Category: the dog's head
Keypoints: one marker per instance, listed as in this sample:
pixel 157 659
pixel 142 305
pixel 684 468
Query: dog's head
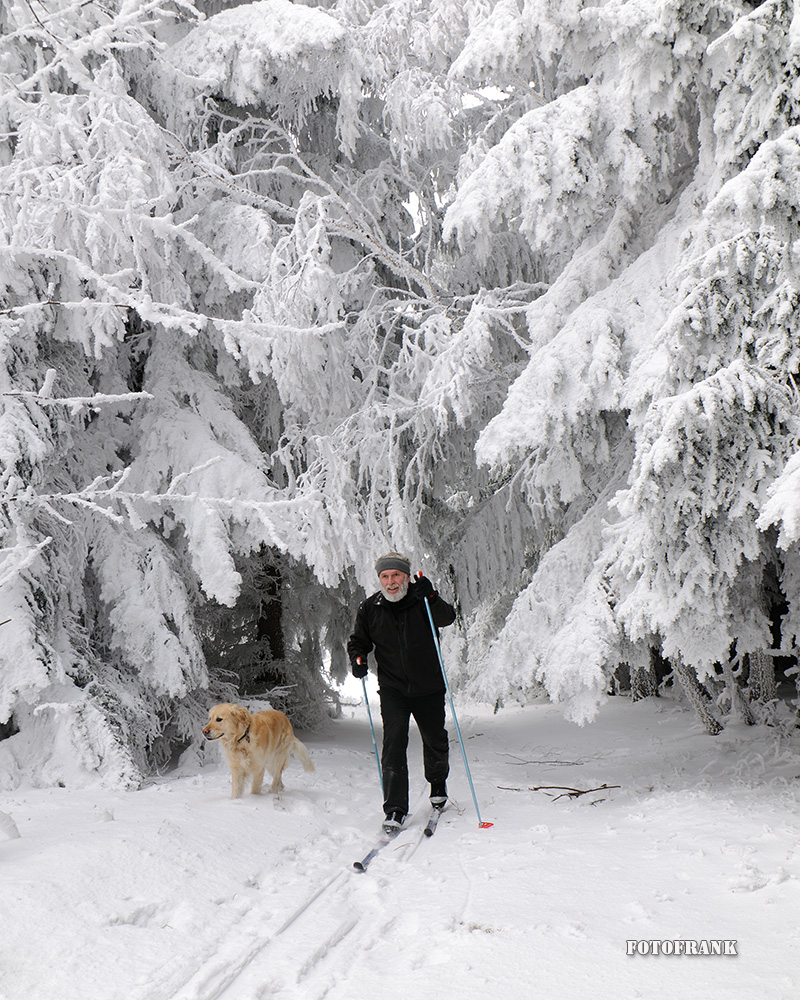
pixel 226 720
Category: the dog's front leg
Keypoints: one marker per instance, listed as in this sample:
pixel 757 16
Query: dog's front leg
pixel 258 778
pixel 237 783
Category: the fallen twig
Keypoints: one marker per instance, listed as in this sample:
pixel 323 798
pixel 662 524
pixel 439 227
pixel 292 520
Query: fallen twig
pixel 566 792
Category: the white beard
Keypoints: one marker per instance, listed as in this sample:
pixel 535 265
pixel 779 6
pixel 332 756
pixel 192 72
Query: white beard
pixel 398 595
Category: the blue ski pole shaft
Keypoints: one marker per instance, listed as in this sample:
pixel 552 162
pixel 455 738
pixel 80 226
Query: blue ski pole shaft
pixel 372 730
pixel 453 711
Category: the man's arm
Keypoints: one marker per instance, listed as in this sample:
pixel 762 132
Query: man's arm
pixel 359 645
pixel 441 612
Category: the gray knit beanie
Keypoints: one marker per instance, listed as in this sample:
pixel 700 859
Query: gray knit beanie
pixel 393 560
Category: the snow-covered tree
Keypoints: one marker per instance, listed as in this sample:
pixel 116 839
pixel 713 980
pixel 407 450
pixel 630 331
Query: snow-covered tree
pixel 658 182
pixel 232 373
pixel 129 479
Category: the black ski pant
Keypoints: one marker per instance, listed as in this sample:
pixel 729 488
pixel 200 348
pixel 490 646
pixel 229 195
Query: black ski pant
pixel 396 712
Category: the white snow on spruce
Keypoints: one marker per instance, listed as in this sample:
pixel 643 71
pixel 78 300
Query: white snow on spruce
pixel 268 53
pixel 177 892
pixel 560 630
pixel 783 505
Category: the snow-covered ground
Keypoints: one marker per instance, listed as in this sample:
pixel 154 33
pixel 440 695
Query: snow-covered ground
pixel 176 892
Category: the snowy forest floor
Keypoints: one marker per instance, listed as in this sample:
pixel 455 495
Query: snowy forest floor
pixel 176 892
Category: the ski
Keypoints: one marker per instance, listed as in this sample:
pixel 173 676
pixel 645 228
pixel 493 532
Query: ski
pixel 385 838
pixel 433 819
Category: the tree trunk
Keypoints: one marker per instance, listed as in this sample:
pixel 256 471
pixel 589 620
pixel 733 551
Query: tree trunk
pixel 688 681
pixel 739 706
pixel 644 682
pixel 762 676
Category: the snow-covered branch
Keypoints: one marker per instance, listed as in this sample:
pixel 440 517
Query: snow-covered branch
pixel 75 404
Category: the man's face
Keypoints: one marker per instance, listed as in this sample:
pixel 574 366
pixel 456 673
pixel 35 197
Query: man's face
pixel 394 584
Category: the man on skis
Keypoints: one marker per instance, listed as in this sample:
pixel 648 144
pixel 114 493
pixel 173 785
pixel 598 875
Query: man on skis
pixel 393 623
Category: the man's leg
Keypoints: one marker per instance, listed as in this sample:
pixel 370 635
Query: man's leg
pixel 428 714
pixel 395 712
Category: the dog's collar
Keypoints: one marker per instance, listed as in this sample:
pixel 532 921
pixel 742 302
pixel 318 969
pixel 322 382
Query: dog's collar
pixel 245 736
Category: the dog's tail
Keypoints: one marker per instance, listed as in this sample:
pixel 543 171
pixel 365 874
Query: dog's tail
pixel 301 753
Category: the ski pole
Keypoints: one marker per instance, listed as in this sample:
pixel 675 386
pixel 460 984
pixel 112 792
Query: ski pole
pixel 371 728
pixel 481 824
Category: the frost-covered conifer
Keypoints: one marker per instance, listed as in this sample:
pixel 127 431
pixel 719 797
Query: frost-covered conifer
pixel 129 480
pixel 235 367
pixel 659 184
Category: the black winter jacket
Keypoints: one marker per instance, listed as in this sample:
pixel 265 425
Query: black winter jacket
pixel 400 635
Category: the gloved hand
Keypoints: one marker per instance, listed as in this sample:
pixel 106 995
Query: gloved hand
pixel 359 667
pixel 424 587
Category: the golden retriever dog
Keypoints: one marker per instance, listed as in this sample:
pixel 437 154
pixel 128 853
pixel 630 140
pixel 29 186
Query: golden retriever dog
pixel 254 743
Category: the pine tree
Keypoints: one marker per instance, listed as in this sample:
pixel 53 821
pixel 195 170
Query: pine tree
pixel 256 361
pixel 666 182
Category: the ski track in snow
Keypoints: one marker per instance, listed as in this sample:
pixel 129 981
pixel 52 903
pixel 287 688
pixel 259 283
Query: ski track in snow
pixel 176 892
